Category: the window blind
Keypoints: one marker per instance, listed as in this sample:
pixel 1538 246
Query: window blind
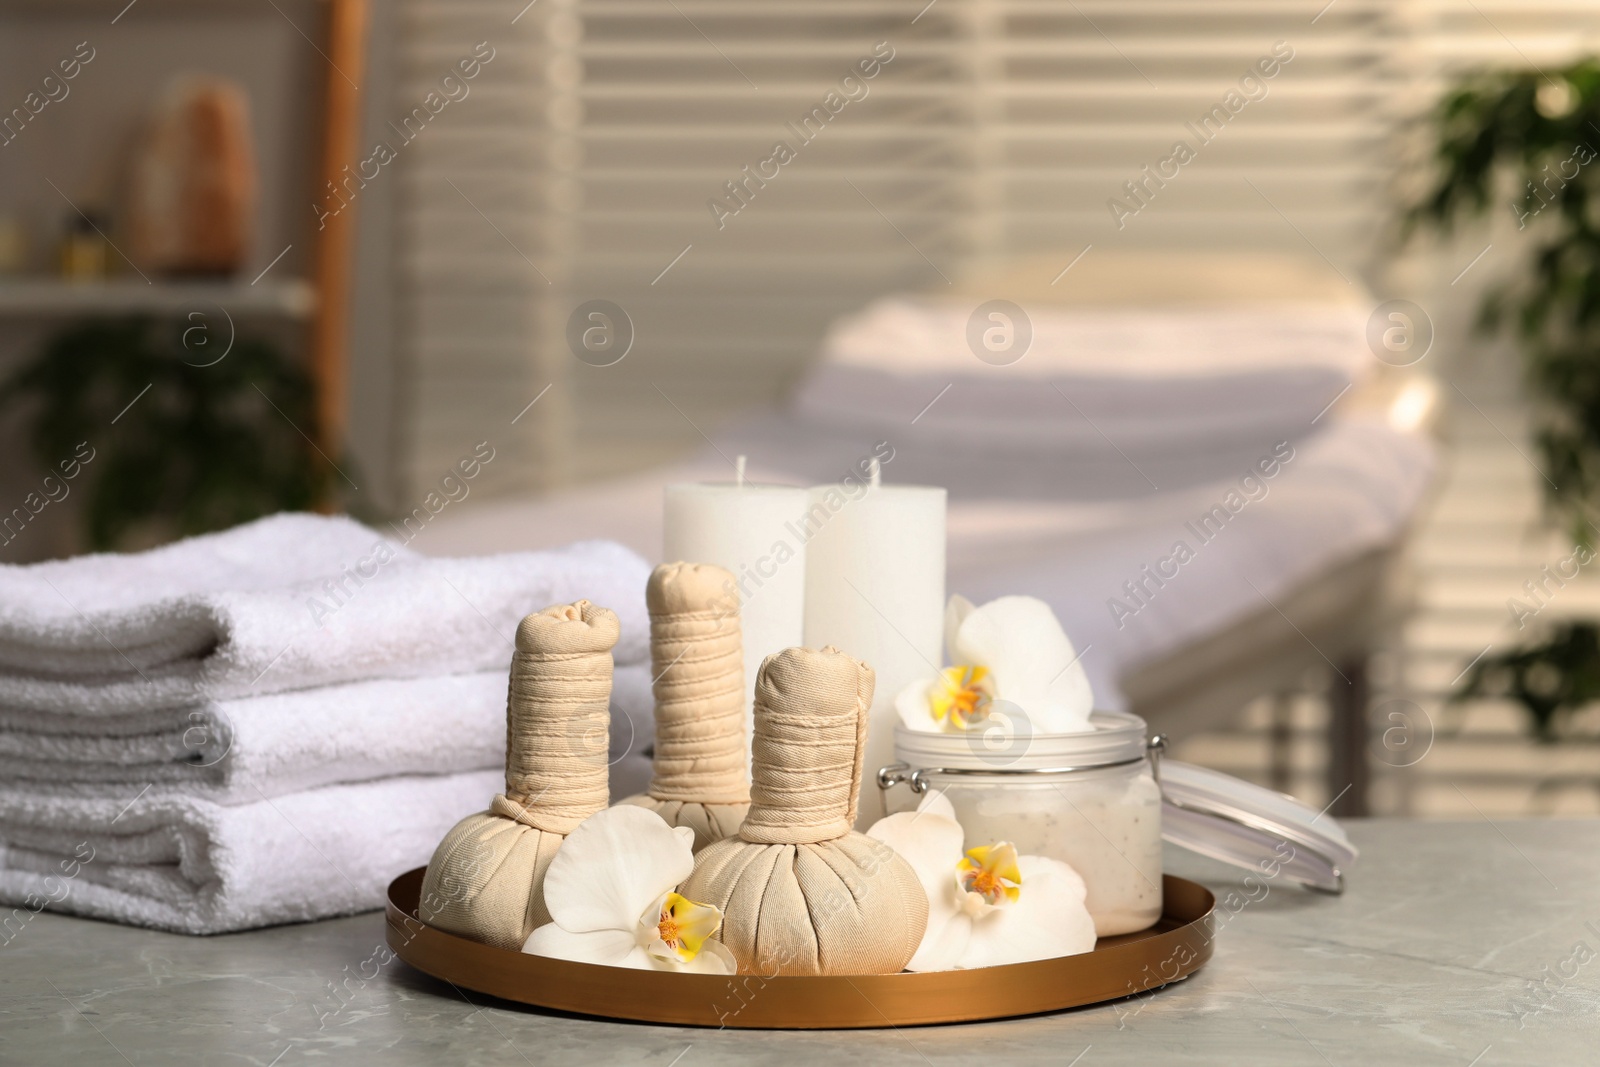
pixel 629 151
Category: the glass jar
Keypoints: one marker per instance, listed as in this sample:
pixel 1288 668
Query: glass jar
pixel 1089 799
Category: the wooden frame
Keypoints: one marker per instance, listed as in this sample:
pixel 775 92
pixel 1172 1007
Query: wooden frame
pixel 335 248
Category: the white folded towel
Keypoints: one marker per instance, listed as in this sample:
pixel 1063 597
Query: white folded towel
pixel 242 613
pixel 238 751
pixel 87 613
pixel 268 724
pixel 193 866
pixel 196 867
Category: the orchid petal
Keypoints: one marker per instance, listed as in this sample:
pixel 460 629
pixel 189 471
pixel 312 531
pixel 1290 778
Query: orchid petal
pixel 1048 919
pixel 696 921
pixel 713 958
pixel 942 946
pixel 1034 664
pixel 955 613
pixel 987 878
pixel 649 932
pixel 962 697
pixel 616 865
pixel 929 839
pixel 931 844
pixel 912 703
pixel 935 802
pixel 609 948
pixel 676 928
pixel 955 699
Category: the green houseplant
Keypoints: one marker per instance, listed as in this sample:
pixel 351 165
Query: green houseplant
pixel 1550 679
pixel 1526 143
pixel 193 432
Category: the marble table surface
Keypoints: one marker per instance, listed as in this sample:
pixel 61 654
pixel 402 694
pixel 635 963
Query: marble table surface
pixel 1456 944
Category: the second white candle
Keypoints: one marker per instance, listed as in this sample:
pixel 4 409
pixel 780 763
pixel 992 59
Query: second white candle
pixel 875 589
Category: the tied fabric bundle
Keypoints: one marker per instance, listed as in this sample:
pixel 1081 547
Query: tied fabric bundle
pixel 696 652
pixel 800 891
pixel 485 880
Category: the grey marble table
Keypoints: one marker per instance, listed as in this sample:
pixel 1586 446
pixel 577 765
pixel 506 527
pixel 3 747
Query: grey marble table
pixel 1456 944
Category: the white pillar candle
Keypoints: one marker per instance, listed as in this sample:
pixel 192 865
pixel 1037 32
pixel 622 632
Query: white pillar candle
pixel 875 589
pixel 753 532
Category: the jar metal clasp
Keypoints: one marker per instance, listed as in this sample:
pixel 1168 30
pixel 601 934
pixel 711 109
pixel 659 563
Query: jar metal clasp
pixel 895 773
pixel 1155 748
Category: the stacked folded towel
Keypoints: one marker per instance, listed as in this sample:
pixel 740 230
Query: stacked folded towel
pixel 267 724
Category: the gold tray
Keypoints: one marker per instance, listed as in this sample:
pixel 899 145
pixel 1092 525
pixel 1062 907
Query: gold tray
pixel 1175 947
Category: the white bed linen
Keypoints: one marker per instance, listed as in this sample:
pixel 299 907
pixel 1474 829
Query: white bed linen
pixel 1145 379
pixel 1350 487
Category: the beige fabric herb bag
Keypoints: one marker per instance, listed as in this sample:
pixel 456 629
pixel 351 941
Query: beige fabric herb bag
pixel 800 891
pixel 485 879
pixel 697 656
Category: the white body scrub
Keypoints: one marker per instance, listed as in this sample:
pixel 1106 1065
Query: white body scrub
pixel 1104 819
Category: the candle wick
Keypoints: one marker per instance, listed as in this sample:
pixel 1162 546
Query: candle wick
pixel 738 472
pixel 873 474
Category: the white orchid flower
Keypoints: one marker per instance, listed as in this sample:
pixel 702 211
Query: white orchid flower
pixel 987 906
pixel 611 891
pixel 1010 649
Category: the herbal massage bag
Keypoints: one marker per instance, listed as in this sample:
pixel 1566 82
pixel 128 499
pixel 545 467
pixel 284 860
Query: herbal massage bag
pixel 697 657
pixel 800 891
pixel 485 880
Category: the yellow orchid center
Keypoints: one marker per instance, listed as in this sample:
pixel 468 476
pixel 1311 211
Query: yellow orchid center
pixel 682 928
pixel 989 876
pixel 962 696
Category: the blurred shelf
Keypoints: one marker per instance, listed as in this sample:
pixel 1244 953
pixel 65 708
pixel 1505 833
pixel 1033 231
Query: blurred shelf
pixel 58 298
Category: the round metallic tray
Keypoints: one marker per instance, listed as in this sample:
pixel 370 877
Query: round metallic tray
pixel 1175 947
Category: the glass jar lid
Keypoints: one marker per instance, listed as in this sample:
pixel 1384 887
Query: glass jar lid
pixel 1005 744
pixel 1245 825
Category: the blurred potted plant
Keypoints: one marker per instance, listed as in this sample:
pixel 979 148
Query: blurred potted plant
pixel 1541 134
pixel 1528 143
pixel 1550 679
pixel 189 440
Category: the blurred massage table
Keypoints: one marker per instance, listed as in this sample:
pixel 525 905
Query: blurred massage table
pixel 1052 477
